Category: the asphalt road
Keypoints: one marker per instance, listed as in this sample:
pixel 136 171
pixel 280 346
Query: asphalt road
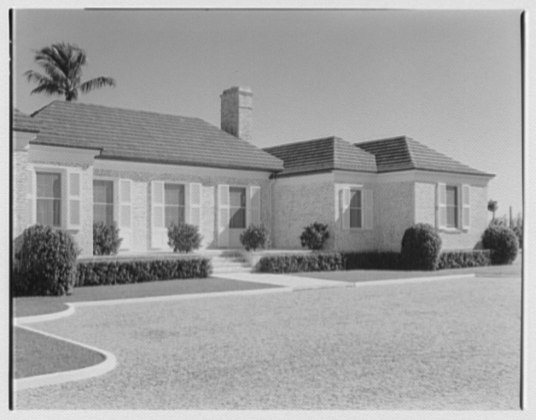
pixel 450 344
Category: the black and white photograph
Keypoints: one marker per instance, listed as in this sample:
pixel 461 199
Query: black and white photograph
pixel 267 209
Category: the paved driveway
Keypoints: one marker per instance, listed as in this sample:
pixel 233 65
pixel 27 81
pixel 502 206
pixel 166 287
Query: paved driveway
pixel 446 344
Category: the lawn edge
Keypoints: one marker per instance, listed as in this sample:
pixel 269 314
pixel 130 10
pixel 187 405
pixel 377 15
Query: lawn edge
pixel 109 363
pixel 384 282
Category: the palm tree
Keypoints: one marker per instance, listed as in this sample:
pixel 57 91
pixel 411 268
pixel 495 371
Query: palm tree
pixel 62 64
pixel 493 206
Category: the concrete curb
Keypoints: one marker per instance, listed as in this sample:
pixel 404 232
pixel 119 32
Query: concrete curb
pixel 46 317
pixel 412 280
pixel 109 363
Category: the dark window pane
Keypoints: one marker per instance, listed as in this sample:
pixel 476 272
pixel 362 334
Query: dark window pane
pixel 355 218
pixel 174 215
pixel 174 194
pixel 48 185
pixel 48 212
pixel 238 218
pixel 452 216
pixel 452 196
pixel 103 213
pixel 103 191
pixel 237 197
pixel 355 200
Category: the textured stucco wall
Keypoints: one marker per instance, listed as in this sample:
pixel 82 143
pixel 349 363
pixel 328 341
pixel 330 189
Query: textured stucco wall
pixel 425 194
pixel 20 188
pixel 394 213
pixel 298 202
pixel 141 181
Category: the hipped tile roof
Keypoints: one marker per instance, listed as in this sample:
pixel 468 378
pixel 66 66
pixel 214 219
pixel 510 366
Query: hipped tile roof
pixel 147 136
pixel 23 122
pixel 323 154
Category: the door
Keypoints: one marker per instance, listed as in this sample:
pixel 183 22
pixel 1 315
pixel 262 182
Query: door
pixel 237 215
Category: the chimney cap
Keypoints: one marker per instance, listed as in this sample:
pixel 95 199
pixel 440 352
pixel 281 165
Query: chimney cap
pixel 241 89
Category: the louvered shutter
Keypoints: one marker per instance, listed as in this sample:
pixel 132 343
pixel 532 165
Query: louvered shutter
pixel 73 196
pixel 441 195
pixel 158 227
pixel 124 203
pixel 368 218
pixel 194 204
pixel 223 215
pixel 466 206
pixel 254 205
pixel 31 197
pixel 345 208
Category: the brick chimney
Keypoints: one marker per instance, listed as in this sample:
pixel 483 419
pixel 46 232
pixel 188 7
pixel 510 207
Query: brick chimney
pixel 236 111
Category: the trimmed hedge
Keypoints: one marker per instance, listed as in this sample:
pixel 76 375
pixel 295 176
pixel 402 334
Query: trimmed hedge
pixel 317 261
pixel 118 271
pixel 461 259
pixel 371 260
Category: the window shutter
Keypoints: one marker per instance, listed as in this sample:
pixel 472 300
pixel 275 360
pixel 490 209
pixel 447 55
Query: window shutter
pixel 441 205
pixel 73 199
pixel 194 204
pixel 368 214
pixel 125 213
pixel 223 215
pixel 466 206
pixel 254 205
pixel 345 208
pixel 158 228
pixel 31 197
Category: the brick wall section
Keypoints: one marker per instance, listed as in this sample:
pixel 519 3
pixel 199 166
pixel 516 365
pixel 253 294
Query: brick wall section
pixel 299 204
pixel 393 213
pixel 20 188
pixel 141 201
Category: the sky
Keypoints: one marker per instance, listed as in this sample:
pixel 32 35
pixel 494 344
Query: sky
pixel 448 79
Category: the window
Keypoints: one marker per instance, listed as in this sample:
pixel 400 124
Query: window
pixel 174 204
pixel 452 206
pixel 355 209
pixel 103 202
pixel 48 198
pixel 237 201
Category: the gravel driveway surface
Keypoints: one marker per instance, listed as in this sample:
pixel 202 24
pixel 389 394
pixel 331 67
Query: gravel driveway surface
pixel 450 344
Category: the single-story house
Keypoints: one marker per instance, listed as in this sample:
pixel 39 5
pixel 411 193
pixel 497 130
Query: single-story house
pixel 75 164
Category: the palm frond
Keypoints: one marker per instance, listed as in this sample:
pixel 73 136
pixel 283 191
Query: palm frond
pixel 96 83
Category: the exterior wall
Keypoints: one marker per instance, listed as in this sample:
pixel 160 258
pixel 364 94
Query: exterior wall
pixel 141 176
pixel 20 188
pixel 298 202
pixel 425 212
pixel 393 213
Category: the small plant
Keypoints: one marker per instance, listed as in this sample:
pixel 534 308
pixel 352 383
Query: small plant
pixel 314 236
pixel 106 240
pixel 255 236
pixel 184 237
pixel 45 262
pixel 503 243
pixel 421 245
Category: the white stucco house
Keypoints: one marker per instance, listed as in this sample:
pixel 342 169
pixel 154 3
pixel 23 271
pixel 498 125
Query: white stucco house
pixel 74 164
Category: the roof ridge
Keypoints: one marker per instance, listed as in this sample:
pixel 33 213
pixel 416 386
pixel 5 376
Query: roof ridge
pixel 302 142
pixel 84 104
pixel 403 137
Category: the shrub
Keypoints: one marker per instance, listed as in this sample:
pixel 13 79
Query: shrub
pixel 45 263
pixel 106 240
pixel 518 230
pixel 461 259
pixel 314 236
pixel 255 236
pixel 420 248
pixel 184 237
pixel 371 260
pixel 292 263
pixel 117 271
pixel 502 242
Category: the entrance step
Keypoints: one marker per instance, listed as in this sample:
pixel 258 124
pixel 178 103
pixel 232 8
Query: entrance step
pixel 229 262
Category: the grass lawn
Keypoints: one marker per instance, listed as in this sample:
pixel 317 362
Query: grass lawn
pixel 36 354
pixel 27 306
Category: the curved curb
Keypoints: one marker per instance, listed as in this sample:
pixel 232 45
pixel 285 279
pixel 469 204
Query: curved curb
pixel 109 363
pixel 412 280
pixel 32 319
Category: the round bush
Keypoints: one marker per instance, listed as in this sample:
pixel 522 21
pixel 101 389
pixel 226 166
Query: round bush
pixel 421 245
pixel 46 262
pixel 502 242
pixel 255 236
pixel 106 240
pixel 314 236
pixel 184 237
